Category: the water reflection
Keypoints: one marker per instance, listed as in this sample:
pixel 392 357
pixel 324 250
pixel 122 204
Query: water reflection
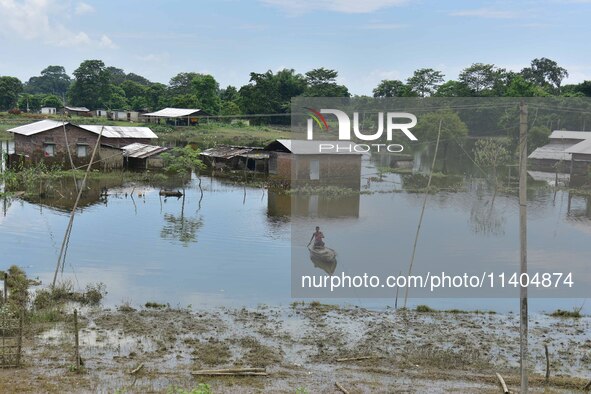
pixel 181 228
pixel 282 204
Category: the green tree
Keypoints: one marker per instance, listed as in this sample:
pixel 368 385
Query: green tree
pixel 117 99
pixel 51 100
pixel 230 108
pixel 425 81
pixel 519 87
pixel 545 73
pixel 53 80
pixel 10 88
pixel 116 75
pixel 480 78
pixel 230 94
pixel 452 129
pixel 156 96
pixel 452 89
pixel 182 161
pixel 91 86
pixel 30 102
pixel 322 83
pixel 271 93
pixel 182 83
pixel 138 79
pixel 390 88
pixel 207 90
pixel 491 153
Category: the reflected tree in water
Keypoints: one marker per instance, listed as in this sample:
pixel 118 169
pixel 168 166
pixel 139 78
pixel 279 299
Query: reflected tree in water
pixel 485 219
pixel 181 228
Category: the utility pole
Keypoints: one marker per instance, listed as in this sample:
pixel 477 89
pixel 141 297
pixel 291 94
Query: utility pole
pixel 523 314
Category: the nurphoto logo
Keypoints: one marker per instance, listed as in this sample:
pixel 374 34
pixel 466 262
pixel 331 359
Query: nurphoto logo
pixel 393 124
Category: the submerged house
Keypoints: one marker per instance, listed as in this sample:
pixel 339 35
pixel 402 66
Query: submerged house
pixel 303 162
pixel 143 156
pixel 236 158
pixel 54 142
pixel 559 152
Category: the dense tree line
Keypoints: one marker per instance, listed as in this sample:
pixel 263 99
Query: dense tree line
pixel 95 85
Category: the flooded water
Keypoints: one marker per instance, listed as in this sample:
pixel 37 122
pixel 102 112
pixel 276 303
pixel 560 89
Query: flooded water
pixel 231 245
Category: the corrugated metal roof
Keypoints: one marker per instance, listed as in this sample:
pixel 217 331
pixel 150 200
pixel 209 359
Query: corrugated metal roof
pixel 227 151
pixel 77 109
pixel 583 147
pixel 305 147
pixel 570 135
pixel 37 127
pixel 553 151
pixel 121 131
pixel 141 151
pixel 174 112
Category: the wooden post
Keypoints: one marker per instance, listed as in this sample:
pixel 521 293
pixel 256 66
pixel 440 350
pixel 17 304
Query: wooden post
pixel 5 287
pixel 547 363
pixel 20 338
pixel 523 313
pixel 76 340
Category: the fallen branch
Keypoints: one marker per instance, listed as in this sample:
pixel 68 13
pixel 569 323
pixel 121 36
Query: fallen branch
pixel 341 388
pixel 232 371
pixel 354 358
pixel 197 373
pixel 587 386
pixel 503 384
pixel 139 367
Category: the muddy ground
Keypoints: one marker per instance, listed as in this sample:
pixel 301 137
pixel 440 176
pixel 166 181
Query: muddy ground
pixel 300 346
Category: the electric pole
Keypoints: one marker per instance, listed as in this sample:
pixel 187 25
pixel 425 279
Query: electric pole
pixel 523 314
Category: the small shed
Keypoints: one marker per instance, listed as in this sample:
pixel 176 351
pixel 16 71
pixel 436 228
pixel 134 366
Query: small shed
pixel 49 110
pixel 122 115
pixel 236 158
pixel 77 111
pixel 143 156
pixel 176 116
pixel 100 113
pixel 305 163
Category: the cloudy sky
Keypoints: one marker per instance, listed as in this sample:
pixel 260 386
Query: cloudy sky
pixel 366 41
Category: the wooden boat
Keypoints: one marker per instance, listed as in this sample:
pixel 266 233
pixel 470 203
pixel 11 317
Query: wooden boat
pixel 171 193
pixel 323 258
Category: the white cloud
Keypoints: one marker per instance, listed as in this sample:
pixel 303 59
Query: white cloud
pixel 343 6
pixel 83 8
pixel 488 13
pixel 41 20
pixel 106 42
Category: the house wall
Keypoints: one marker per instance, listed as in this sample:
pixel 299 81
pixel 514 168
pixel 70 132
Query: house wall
pixel 121 142
pixel 33 147
pixel 337 170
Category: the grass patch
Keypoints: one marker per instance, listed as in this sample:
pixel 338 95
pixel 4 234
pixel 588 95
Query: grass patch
pixel 211 352
pixel 258 355
pixel 154 305
pixel 425 309
pixel 575 313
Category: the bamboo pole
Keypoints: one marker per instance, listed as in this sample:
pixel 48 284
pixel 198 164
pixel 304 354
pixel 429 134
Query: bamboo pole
pixel 76 339
pixel 523 312
pixel 414 247
pixel 503 384
pixel 341 388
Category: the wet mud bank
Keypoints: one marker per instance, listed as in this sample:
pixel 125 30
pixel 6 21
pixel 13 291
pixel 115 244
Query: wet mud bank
pixel 306 347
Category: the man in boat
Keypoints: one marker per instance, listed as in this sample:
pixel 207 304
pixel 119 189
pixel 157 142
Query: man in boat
pixel 318 238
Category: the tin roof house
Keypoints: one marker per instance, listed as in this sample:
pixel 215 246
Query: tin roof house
pixel 302 162
pixel 559 151
pixel 54 142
